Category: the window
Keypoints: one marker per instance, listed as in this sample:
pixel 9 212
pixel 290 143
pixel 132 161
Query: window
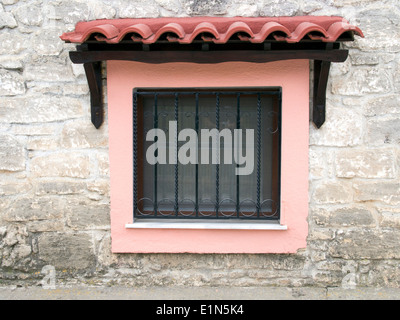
pixel 206 153
pixel 282 234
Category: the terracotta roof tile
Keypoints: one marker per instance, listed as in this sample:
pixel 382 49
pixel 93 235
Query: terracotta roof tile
pixel 213 29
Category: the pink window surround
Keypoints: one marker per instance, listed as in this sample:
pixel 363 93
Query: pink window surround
pixel 293 77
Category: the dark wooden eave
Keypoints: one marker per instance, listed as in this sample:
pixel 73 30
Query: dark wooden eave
pixel 91 55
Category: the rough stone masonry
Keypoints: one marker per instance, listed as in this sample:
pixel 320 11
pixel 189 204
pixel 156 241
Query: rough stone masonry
pixel 54 178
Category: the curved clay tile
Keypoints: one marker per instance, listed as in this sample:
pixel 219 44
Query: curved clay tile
pixel 141 29
pixel 338 28
pixel 303 29
pixel 235 27
pixel 267 29
pixel 106 31
pixel 216 29
pixel 204 27
pixel 170 27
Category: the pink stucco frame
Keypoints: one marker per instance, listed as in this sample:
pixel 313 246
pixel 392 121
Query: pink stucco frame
pixel 292 76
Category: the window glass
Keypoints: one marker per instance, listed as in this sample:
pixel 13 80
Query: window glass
pixel 201 179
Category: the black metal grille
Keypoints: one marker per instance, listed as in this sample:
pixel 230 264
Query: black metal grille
pixel 173 190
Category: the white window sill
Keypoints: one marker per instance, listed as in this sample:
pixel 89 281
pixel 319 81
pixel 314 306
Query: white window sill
pixel 205 224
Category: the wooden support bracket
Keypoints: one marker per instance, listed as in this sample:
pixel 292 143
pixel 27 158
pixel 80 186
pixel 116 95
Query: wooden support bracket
pixel 321 73
pixel 93 75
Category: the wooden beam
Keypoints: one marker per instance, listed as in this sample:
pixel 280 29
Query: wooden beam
pixel 256 56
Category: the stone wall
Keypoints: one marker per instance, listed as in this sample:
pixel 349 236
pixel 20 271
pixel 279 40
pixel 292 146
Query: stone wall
pixel 54 178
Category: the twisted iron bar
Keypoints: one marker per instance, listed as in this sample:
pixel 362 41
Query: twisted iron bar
pixel 176 205
pixel 218 149
pixel 258 152
pixel 135 191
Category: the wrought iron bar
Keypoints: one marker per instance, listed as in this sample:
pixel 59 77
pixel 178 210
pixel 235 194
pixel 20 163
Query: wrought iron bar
pixel 272 92
pixel 218 156
pixel 258 153
pixel 155 126
pixel 237 165
pixel 176 208
pixel 135 154
pixel 197 165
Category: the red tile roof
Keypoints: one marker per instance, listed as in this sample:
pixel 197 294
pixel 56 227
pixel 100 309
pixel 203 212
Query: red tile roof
pixel 213 29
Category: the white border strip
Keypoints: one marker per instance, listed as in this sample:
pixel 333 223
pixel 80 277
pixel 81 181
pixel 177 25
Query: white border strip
pixel 202 224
